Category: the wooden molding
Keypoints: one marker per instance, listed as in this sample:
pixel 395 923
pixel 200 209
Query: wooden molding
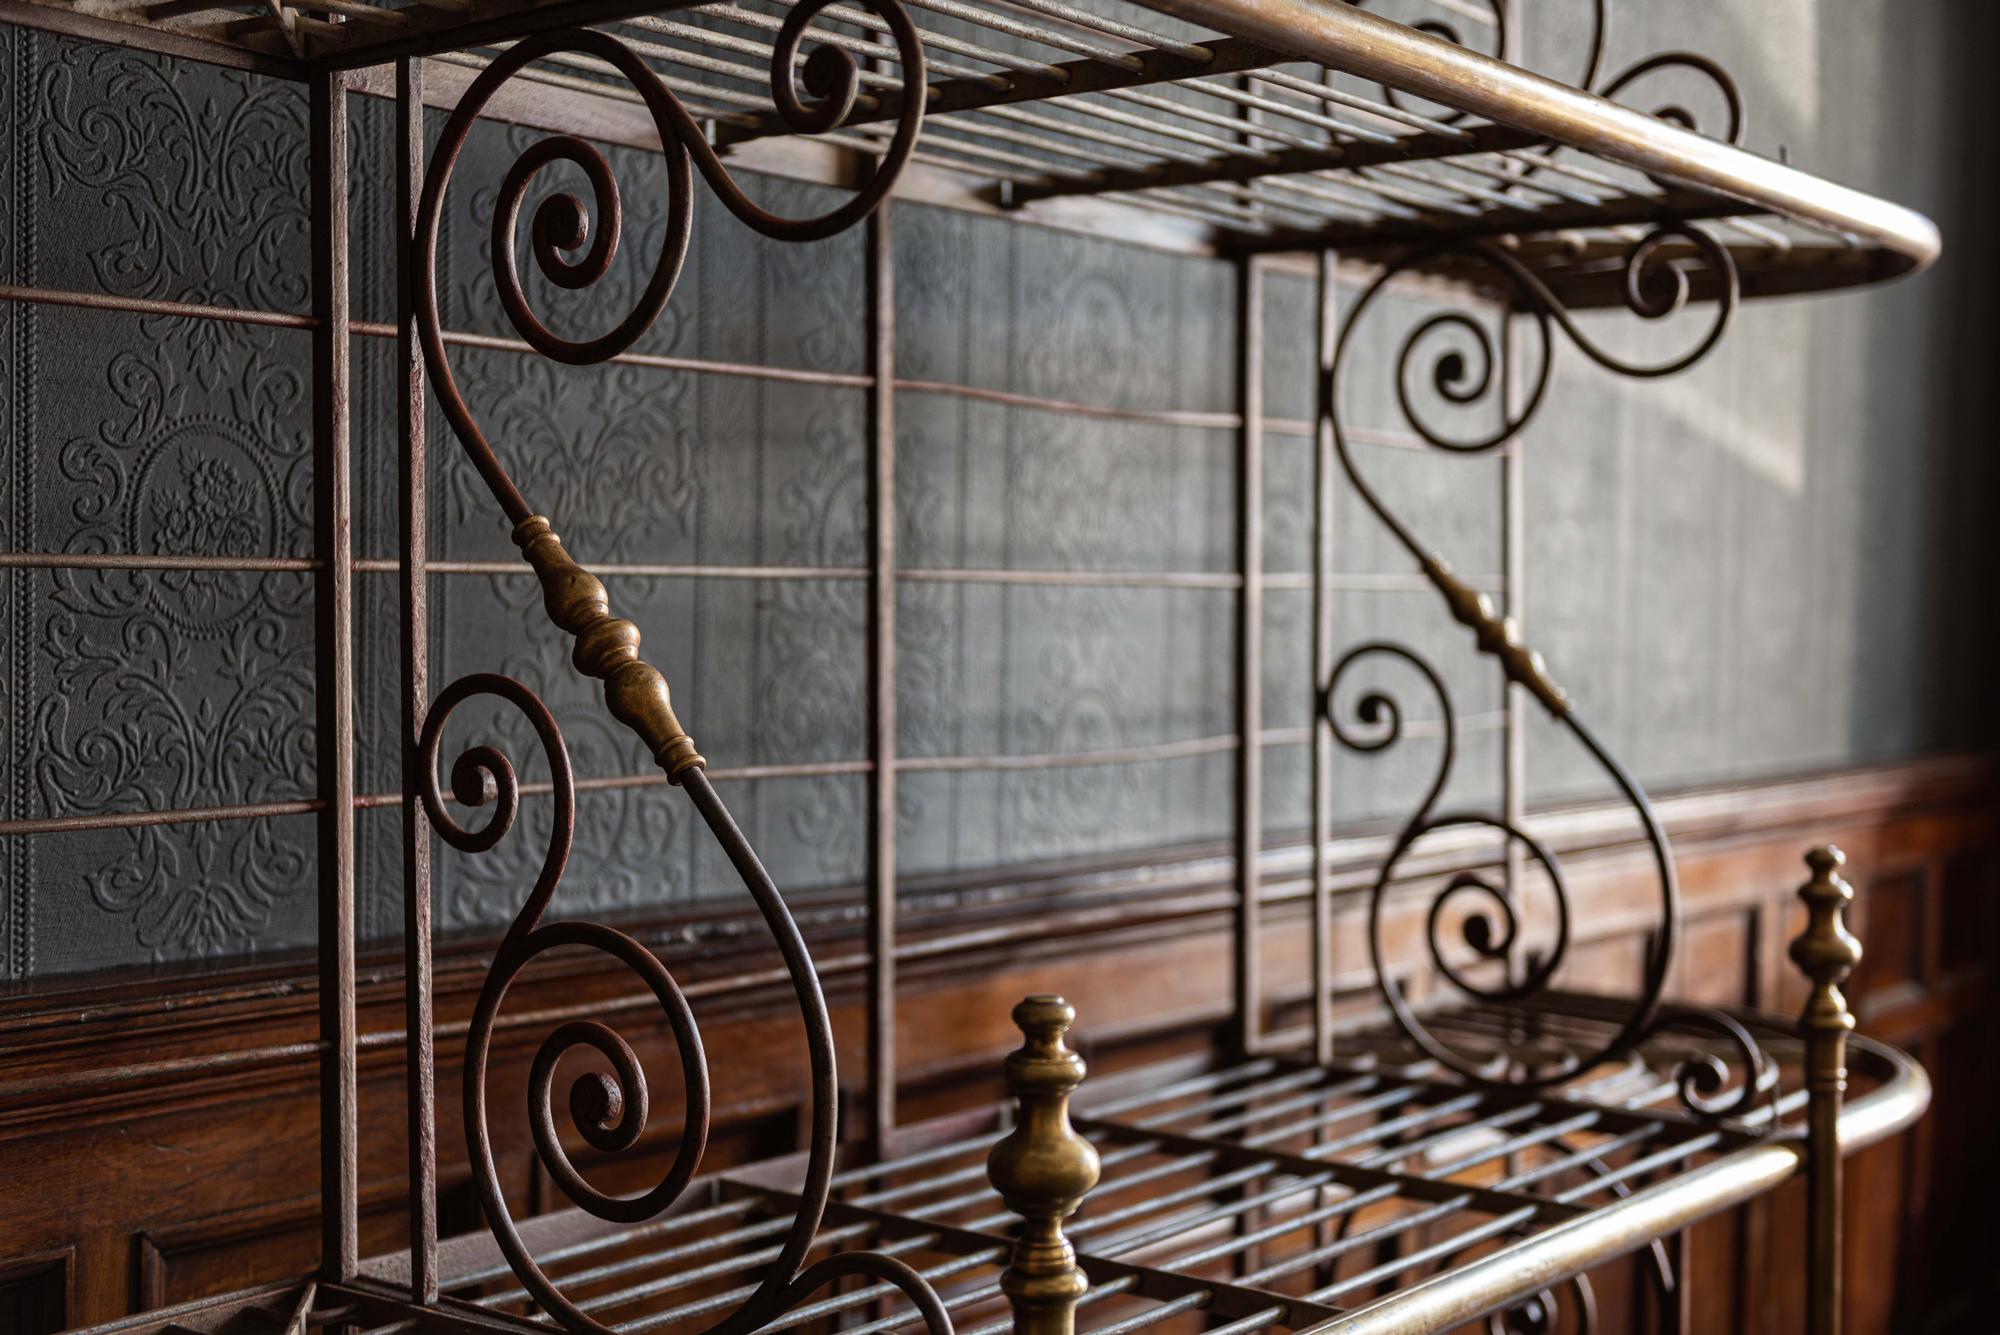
pixel 110 1044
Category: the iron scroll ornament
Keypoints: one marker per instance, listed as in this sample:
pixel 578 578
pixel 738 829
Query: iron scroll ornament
pixel 1655 287
pixel 610 1111
pixel 1591 80
pixel 1593 72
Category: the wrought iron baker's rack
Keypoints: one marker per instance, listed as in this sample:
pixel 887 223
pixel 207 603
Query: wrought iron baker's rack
pixel 1476 1132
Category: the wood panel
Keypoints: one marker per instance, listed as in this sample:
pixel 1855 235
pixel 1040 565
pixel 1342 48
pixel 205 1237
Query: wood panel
pixel 129 1179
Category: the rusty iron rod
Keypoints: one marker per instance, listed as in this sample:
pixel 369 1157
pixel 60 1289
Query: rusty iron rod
pixel 333 607
pixel 882 678
pixel 420 1059
pixel 1249 809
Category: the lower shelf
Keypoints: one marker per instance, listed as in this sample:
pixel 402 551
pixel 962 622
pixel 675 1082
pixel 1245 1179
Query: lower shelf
pixel 1376 1193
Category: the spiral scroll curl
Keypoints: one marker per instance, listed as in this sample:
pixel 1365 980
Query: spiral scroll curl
pixel 1465 372
pixel 1542 1314
pixel 1672 112
pixel 609 1111
pixel 1654 287
pixel 1498 21
pixel 1590 79
pixel 1724 83
pixel 562 224
pixel 1711 1086
pixel 574 244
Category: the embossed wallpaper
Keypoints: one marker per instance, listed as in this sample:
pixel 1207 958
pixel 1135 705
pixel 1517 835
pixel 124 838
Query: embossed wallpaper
pixel 1747 570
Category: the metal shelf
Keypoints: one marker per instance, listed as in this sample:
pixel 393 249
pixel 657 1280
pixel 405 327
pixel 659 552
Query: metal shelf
pixel 1374 1192
pixel 1296 126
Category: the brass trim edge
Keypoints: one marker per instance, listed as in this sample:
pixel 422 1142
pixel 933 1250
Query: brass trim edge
pixel 1492 1283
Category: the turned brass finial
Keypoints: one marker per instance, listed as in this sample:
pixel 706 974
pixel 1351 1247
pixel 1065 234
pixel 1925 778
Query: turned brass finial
pixel 1043 1169
pixel 607 648
pixel 1826 952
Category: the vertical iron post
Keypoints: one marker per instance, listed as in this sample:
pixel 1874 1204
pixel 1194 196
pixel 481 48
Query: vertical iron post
pixel 1326 335
pixel 1513 541
pixel 1514 580
pixel 1249 646
pixel 420 1052
pixel 1826 953
pixel 333 638
pixel 882 677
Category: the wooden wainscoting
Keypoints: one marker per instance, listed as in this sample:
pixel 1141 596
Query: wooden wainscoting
pixel 158 1131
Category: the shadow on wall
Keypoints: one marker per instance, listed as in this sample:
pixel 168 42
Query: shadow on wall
pixel 1922 615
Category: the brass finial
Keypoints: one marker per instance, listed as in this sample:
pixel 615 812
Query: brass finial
pixel 1826 952
pixel 607 648
pixel 1043 1169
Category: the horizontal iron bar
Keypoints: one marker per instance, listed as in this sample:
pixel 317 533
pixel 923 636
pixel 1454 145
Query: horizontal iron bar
pixel 1423 1256
pixel 103 301
pixel 1152 579
pixel 1171 417
pixel 1359 582
pixel 1196 1084
pixel 42 296
pixel 635 570
pixel 1177 750
pixel 246 565
pixel 1279 162
pixel 133 820
pixel 653 360
pixel 1220 421
pixel 810 769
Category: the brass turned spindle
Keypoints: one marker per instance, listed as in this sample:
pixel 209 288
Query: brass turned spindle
pixel 607 648
pixel 1826 952
pixel 1043 1169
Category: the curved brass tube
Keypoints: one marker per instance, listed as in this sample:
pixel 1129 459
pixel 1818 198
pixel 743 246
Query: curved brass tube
pixel 1343 37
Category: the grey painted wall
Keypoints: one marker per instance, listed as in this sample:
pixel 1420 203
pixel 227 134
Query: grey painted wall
pixel 1764 565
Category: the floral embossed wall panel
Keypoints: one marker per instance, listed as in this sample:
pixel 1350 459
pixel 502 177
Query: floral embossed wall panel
pixel 164 691
pixel 116 897
pixel 1010 670
pixel 163 185
pixel 1020 818
pixel 16 495
pixel 173 437
pixel 1015 670
pixel 1721 598
pixel 983 486
pixel 982 302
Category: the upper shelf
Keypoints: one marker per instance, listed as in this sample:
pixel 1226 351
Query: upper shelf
pixel 1269 125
